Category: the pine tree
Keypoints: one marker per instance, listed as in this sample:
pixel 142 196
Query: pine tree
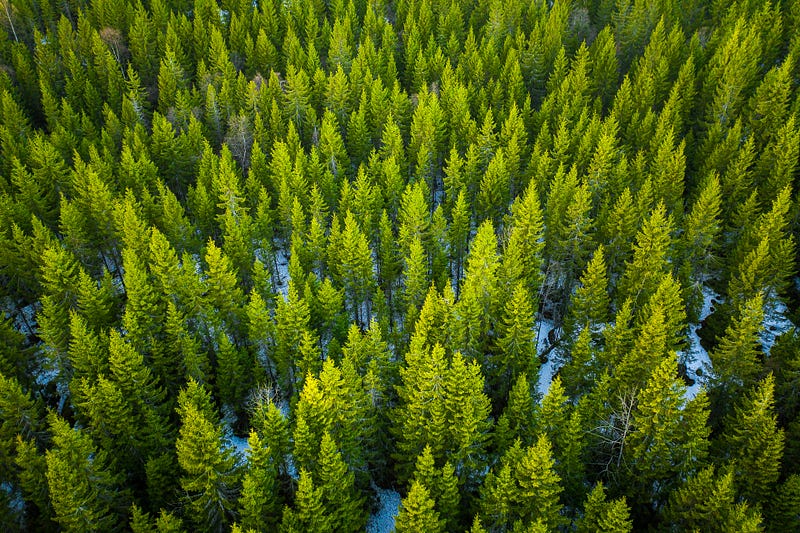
pixel 20 418
pixel 537 496
pixel 417 512
pixel 341 503
pixel 517 420
pixel 735 360
pixel 419 419
pixel 516 342
pixel 697 244
pixel 85 493
pixel 602 515
pixel 221 285
pixel 707 501
pixel 762 259
pixel 589 305
pixel 211 479
pixel 493 190
pixel 475 311
pixel 670 437
pixel 442 485
pixel 292 318
pixel 467 412
pixel 259 503
pixel 755 442
pixel 308 514
pixel 498 489
pixel 355 269
pixel 650 256
pixel 583 367
pixel 458 236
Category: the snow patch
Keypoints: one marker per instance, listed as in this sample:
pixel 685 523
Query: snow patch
pixel 544 328
pixel 239 444
pixel 695 357
pixel 546 373
pixel 382 521
pixel 46 375
pixel 775 324
pixel 548 369
pixel 24 320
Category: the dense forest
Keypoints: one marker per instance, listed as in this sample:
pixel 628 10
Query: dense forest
pixel 431 265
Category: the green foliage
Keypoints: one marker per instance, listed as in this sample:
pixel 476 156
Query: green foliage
pixel 603 515
pixel 754 442
pixel 85 493
pixel 210 476
pixel 417 512
pixel 341 228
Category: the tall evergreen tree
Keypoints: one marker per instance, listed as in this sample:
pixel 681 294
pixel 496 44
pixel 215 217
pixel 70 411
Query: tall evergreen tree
pixel 755 442
pixel 417 512
pixel 85 492
pixel 210 482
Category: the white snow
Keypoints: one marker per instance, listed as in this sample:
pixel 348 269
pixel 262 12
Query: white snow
pixel 544 328
pixel 548 369
pixel 46 375
pixel 241 446
pixel 775 324
pixel 695 356
pixel 382 521
pixel 24 320
pixel 546 373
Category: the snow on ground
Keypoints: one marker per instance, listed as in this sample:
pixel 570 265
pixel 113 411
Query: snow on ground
pixel 775 324
pixel 695 356
pixel 548 369
pixel 382 521
pixel 46 375
pixel 240 445
pixel 24 321
pixel 546 373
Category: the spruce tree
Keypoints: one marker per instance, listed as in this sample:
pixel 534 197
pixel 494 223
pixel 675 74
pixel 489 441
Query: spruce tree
pixel 650 258
pixel 707 501
pixel 259 502
pixel 602 515
pixel 210 480
pixel 417 512
pixel 85 493
pixel 341 502
pixel 755 442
